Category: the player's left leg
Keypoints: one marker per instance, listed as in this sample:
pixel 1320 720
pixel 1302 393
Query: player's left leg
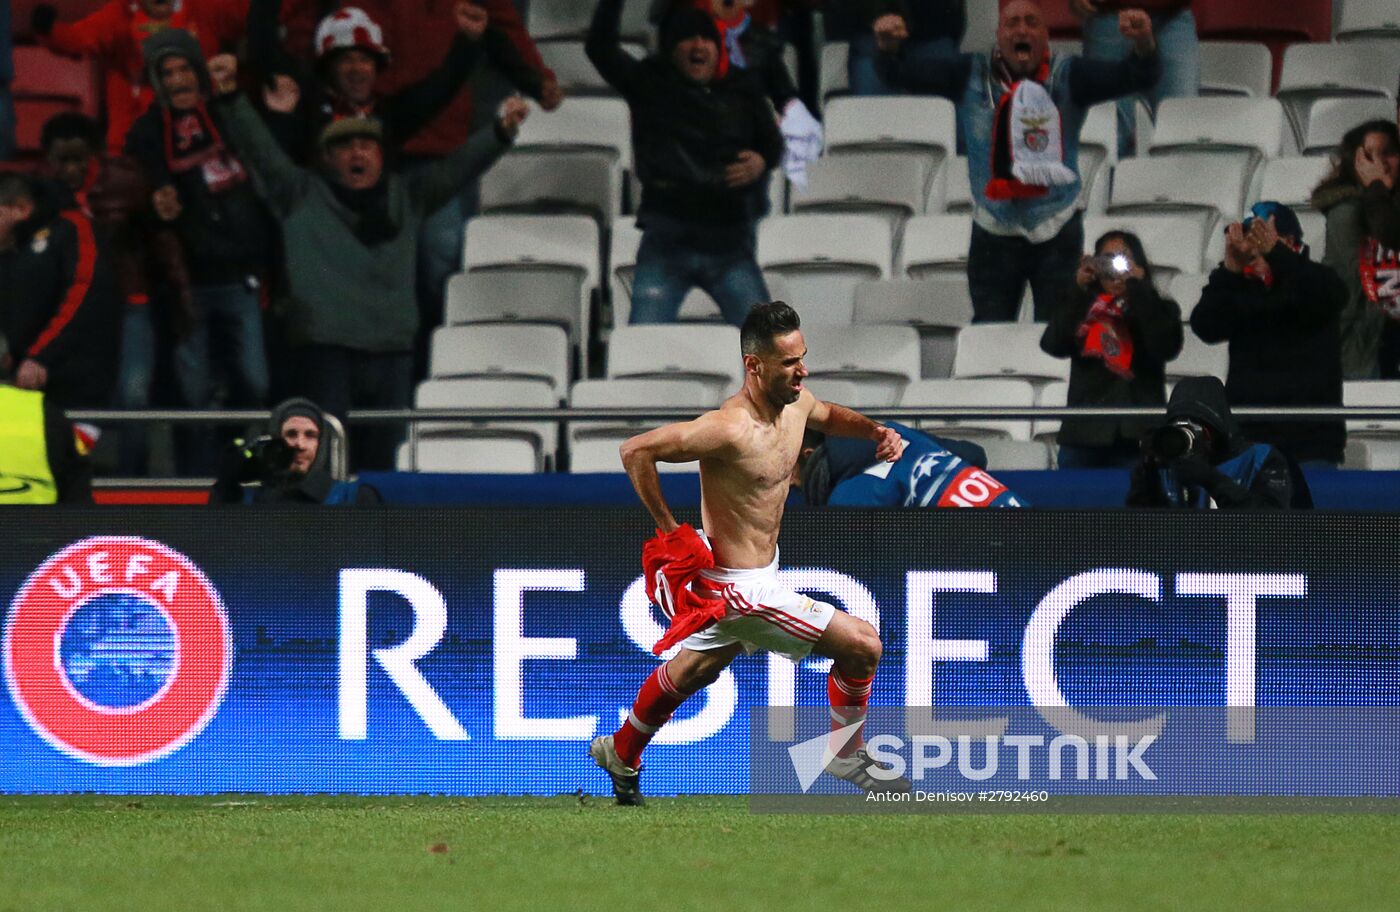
pixel 854 647
pixel 664 690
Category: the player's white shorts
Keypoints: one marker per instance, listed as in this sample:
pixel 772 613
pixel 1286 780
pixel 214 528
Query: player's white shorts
pixel 760 613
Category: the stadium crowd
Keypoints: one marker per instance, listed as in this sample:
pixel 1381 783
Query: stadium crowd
pixel 275 198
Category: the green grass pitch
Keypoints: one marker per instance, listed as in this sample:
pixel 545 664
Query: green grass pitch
pixel 98 853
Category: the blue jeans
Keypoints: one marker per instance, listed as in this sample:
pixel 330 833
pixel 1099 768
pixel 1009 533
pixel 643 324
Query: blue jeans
pixel 339 379
pixel 227 335
pixel 135 374
pixel 1178 48
pixel 668 267
pixel 998 268
pixel 227 340
pixel 860 63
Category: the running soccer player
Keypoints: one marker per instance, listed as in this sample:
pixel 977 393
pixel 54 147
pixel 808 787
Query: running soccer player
pixel 720 589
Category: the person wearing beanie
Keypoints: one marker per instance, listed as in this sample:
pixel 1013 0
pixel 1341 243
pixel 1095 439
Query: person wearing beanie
pixel 1202 460
pixel 350 234
pixel 202 191
pixel 112 35
pixel 350 57
pixel 1028 225
pixel 703 145
pixel 1281 314
pixel 291 465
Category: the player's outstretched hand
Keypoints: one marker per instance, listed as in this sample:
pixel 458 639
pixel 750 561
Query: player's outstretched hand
pixel 889 446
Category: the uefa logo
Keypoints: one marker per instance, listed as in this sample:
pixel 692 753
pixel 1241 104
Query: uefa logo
pixel 117 650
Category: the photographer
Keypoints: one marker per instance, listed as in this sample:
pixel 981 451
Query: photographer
pixel 1118 334
pixel 290 466
pixel 1281 313
pixel 1199 459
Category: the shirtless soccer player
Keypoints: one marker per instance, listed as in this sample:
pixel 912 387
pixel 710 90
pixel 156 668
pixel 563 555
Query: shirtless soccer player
pixel 747 449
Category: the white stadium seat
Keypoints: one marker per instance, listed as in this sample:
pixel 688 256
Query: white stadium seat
pixel 935 244
pixel 1004 454
pixel 1098 152
pixel 850 393
pixel 951 191
pixel 1236 68
pixel 549 182
pixel 884 359
pixel 892 186
pixel 1006 350
pixel 529 241
pixel 1312 71
pixel 834 77
pixel 1212 124
pixel 822 257
pixel 1197 359
pixel 937 307
pixel 1331 118
pixel 678 350
pixel 600 454
pixel 1374 393
pixel 570 18
pixel 542 295
pixel 1051 395
pixel 495 455
pixel 488 393
pixel 635 392
pixel 1212 185
pixel 576 73
pixel 891 122
pixel 1186 291
pixel 1291 180
pixel 1365 20
pixel 531 351
pixel 971 392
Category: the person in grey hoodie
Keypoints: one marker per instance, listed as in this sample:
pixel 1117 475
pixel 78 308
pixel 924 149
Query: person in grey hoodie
pixel 350 238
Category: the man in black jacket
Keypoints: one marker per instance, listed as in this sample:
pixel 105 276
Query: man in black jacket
pixel 1200 460
pixel 701 142
pixel 203 192
pixel 1280 313
pixel 58 298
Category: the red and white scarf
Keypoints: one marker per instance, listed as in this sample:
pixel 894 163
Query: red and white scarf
pixel 1105 334
pixel 1027 137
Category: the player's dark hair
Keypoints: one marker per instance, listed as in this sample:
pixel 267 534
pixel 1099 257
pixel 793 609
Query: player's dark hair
pixel 15 188
pixel 70 125
pixel 763 324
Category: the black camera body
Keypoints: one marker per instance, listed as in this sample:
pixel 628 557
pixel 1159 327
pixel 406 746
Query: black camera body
pixel 1180 439
pixel 265 460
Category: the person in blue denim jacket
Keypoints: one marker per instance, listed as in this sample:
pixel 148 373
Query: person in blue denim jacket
pixel 1036 238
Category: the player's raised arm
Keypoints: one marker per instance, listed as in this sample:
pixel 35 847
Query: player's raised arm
pixel 839 421
pixel 709 435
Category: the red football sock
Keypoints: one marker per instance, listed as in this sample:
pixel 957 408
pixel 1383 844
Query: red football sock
pixel 655 702
pixel 848 697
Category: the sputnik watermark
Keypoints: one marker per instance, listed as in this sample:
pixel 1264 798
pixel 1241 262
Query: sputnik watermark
pixel 1064 757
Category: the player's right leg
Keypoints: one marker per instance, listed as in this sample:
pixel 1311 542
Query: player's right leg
pixel 665 689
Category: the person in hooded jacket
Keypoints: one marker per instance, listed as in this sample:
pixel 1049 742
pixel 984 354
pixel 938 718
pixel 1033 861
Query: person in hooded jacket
pixel 203 192
pixel 293 467
pixel 701 142
pixel 932 472
pixel 1220 468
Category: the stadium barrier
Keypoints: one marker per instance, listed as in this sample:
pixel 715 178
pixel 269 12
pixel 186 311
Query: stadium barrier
pixel 476 651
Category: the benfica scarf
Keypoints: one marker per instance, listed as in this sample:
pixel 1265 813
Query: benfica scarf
pixel 1027 138
pixel 1380 276
pixel 1104 334
pixel 731 32
pixel 191 140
